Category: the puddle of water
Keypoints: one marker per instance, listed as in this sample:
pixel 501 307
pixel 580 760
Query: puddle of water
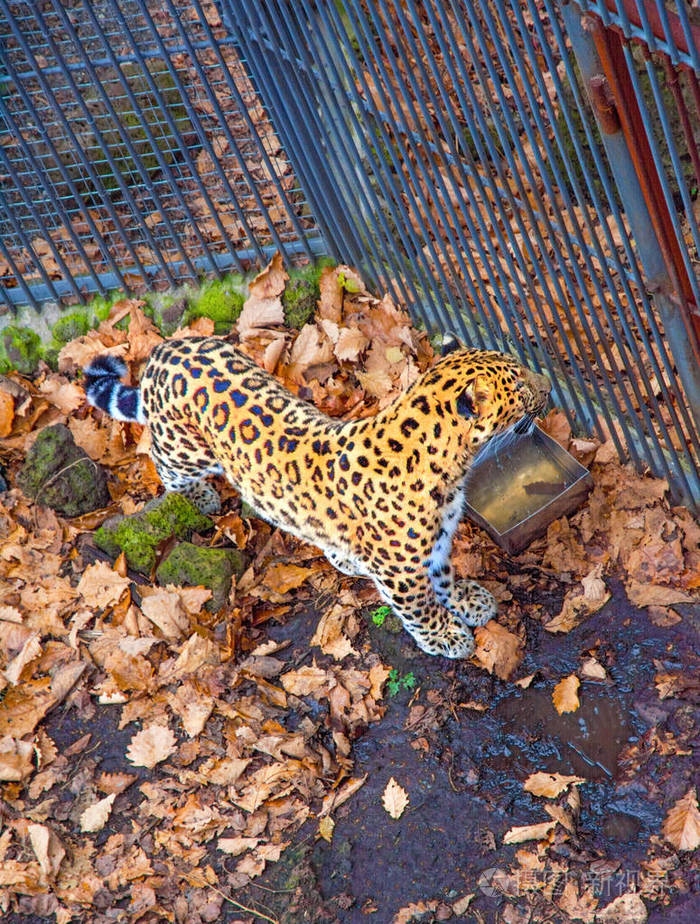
pixel 587 742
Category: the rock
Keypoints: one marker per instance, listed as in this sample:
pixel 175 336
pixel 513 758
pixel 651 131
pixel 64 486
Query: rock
pixel 61 475
pixel 193 565
pixel 140 535
pixel 22 347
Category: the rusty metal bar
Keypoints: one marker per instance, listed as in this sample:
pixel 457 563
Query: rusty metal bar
pixel 677 33
pixel 673 83
pixel 610 50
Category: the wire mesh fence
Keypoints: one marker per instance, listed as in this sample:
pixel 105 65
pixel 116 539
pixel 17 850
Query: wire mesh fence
pixel 471 157
pixel 472 175
pixel 133 148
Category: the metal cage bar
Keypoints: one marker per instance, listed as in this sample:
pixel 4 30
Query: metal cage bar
pixel 468 157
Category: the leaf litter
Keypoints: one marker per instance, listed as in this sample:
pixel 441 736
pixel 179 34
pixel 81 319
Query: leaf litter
pixel 206 699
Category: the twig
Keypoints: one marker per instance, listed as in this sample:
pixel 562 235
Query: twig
pixel 258 914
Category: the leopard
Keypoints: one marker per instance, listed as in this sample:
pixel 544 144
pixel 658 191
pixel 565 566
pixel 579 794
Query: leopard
pixel 380 496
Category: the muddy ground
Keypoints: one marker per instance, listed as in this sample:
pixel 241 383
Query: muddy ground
pixel 466 790
pixel 461 743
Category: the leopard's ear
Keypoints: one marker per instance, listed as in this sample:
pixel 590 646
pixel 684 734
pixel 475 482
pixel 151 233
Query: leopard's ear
pixel 450 342
pixel 479 390
pixel 465 403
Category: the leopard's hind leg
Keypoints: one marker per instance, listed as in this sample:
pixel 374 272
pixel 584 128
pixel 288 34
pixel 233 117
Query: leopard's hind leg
pixel 185 471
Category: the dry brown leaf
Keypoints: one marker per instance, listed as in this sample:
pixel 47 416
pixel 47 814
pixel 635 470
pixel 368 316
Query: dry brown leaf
pixel 676 683
pixel 47 848
pixel 462 904
pixel 350 343
pixel 281 578
pixel 325 828
pixel 16 759
pixel 235 846
pixel 557 426
pixel 497 649
pixel 95 816
pixel 330 305
pixel 377 677
pixel 654 595
pixel 259 313
pixel 100 586
pixel 593 670
pixel 62 393
pixel 329 635
pixel 528 832
pixel 312 347
pixel 682 824
pixel 30 650
pixel 565 696
pixel 224 772
pixel 625 909
pixel 193 707
pixel 115 782
pixel 307 680
pixel 416 911
pixel 549 784
pixel 663 616
pixel 394 799
pixel 165 610
pixel 150 746
pixel 578 906
pixel 337 797
pixel 270 281
pixel 578 605
pixel 7 413
pixel 194 653
pixel 561 816
pixel 80 353
pixel 273 352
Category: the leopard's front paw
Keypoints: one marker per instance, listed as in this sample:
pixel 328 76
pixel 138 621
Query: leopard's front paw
pixel 477 605
pixel 451 640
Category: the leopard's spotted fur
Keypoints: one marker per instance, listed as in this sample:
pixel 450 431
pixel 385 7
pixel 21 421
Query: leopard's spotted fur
pixel 381 496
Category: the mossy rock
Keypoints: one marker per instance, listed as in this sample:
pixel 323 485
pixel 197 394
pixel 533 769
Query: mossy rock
pixel 140 535
pixel 22 349
pixel 221 300
pixel 167 309
pixel 71 326
pixel 302 292
pixel 62 476
pixel 192 565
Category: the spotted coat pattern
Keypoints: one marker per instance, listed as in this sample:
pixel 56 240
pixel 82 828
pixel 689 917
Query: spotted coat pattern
pixel 381 496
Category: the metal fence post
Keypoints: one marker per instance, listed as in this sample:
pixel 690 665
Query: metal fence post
pixel 651 253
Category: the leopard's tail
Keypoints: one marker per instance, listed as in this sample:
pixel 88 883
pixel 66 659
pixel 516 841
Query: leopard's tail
pixel 104 390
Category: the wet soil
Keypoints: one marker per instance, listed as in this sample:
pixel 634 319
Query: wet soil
pixel 461 743
pixel 464 771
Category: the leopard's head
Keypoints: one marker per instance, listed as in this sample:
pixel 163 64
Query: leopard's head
pixel 469 396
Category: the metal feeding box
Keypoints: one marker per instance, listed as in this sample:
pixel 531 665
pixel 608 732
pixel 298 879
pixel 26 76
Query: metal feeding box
pixel 515 491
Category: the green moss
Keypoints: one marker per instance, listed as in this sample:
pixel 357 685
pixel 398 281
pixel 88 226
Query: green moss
pixel 221 300
pixel 139 536
pixel 70 326
pixel 51 355
pixel 193 565
pixel 59 474
pixel 98 308
pixel 21 348
pixel 302 292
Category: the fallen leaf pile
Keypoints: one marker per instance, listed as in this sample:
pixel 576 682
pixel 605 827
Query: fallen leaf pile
pixel 224 740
